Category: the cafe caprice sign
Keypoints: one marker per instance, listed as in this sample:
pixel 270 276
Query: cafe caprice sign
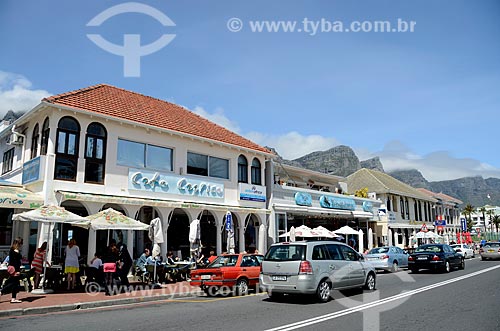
pixel 172 184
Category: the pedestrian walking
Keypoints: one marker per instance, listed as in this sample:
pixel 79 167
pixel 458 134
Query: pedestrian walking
pixel 14 271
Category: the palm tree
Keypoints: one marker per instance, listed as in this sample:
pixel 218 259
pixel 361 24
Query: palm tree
pixel 496 221
pixel 491 213
pixel 468 210
pixel 483 211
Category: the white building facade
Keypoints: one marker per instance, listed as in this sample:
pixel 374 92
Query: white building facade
pixel 102 147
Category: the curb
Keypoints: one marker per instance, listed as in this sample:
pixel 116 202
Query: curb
pixel 92 304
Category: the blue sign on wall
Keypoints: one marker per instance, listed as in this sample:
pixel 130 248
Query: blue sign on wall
pixel 303 199
pixel 252 192
pixel 367 206
pixel 337 203
pixel 31 171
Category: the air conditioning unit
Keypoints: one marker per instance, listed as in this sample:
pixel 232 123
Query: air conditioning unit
pixel 15 139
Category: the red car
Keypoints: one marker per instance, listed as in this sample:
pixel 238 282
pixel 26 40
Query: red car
pixel 236 272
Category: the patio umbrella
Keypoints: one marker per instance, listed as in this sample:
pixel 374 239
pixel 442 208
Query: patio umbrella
pixel 229 227
pixel 111 219
pixel 346 230
pixel 49 215
pixel 292 234
pixel 156 237
pixel 321 231
pixel 194 236
pixel 301 231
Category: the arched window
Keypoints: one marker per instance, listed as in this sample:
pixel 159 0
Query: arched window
pixel 255 172
pixel 45 137
pixel 242 169
pixel 95 153
pixel 34 141
pixel 402 207
pixel 68 135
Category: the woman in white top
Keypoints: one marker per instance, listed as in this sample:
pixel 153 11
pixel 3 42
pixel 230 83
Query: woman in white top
pixel 71 264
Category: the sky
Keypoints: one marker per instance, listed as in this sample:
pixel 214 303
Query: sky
pixel 427 99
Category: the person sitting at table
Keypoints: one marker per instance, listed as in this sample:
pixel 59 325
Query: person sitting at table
pixel 37 263
pixel 14 270
pixel 170 258
pixel 143 260
pixel 95 270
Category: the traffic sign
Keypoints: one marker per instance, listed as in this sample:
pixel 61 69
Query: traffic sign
pixel 423 228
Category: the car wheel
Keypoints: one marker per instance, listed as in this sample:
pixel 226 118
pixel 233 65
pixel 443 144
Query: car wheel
pixel 395 267
pixel 370 282
pixel 462 265
pixel 323 291
pixel 242 287
pixel 483 258
pixel 447 267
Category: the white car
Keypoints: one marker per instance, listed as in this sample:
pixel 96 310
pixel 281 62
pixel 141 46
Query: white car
pixel 465 250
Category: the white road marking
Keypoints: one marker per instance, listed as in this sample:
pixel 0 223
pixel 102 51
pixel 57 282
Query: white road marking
pixel 376 303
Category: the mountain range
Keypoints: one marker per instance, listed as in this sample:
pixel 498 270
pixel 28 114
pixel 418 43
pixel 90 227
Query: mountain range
pixel 342 161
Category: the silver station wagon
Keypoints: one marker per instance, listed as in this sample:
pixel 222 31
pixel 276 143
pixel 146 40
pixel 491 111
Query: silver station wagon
pixel 314 267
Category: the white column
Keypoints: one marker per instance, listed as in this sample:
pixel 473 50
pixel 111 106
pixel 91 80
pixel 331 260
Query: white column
pixel 370 238
pixel 389 237
pixel 262 245
pixel 130 242
pixel 360 241
pixel 92 245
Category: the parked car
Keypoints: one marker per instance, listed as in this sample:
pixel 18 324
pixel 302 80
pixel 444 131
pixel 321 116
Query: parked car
pixel 237 272
pixel 388 258
pixel 314 267
pixel 435 257
pixel 490 251
pixel 465 250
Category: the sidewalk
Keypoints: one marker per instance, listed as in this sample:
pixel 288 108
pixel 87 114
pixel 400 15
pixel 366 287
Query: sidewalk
pixel 72 300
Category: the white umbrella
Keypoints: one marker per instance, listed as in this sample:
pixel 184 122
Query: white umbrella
pixel 321 231
pixel 229 227
pixel 194 236
pixel 427 235
pixel 292 234
pixel 50 214
pixel 346 230
pixel 110 219
pixel 156 237
pixel 301 231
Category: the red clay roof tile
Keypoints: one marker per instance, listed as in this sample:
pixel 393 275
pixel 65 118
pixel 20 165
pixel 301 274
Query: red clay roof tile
pixel 113 101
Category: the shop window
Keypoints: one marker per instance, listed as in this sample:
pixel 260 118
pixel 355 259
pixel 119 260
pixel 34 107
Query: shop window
pixel 95 153
pixel 6 226
pixel 242 169
pixel 256 172
pixel 45 137
pixel 139 155
pixel 34 141
pixel 204 165
pixel 67 143
pixel 8 161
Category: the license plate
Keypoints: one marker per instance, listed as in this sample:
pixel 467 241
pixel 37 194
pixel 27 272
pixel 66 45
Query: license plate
pixel 279 278
pixel 422 258
pixel 205 277
pixel 491 250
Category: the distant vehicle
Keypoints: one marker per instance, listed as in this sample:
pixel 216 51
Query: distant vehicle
pixel 465 250
pixel 435 257
pixel 237 272
pixel 388 258
pixel 490 251
pixel 314 267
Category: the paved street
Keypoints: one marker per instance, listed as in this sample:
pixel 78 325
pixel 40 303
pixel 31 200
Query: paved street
pixel 464 299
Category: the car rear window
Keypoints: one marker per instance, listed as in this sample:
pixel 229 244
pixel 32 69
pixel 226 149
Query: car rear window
pixel 491 245
pixel 379 250
pixel 430 249
pixel 285 253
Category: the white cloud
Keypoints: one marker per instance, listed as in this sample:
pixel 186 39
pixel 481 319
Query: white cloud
pixel 293 145
pixel 16 93
pixel 218 117
pixel 435 166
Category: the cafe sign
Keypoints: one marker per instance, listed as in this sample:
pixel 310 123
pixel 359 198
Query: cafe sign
pixel 151 181
pixel 330 202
